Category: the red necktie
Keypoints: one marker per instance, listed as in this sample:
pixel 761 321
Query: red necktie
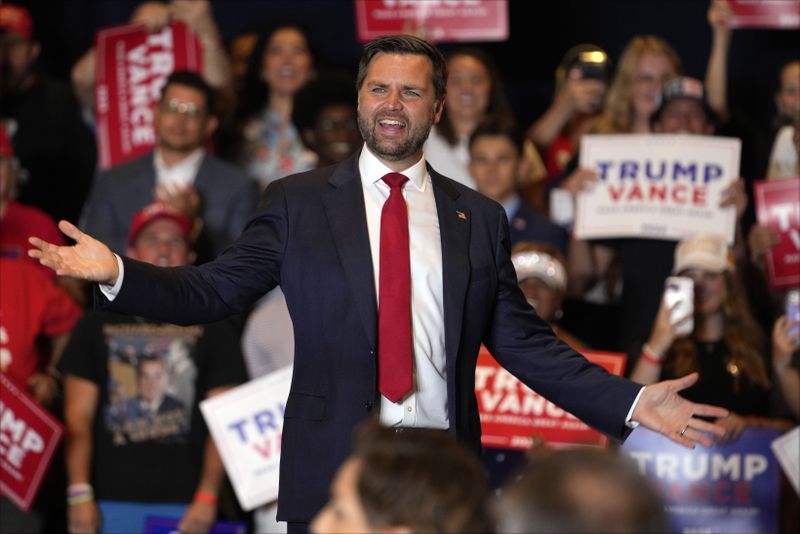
pixel 394 300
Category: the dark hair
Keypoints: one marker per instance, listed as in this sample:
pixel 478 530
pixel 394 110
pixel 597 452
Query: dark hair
pixel 148 358
pixel 420 478
pixel 494 125
pixel 195 81
pixel 405 45
pixel 327 90
pixel 544 497
pixel 498 101
pixel 255 89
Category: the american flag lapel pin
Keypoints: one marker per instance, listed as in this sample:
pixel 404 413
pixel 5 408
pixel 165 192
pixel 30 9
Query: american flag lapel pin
pixel 461 215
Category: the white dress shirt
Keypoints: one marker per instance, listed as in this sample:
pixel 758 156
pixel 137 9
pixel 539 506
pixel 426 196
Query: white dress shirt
pixel 426 405
pixel 182 173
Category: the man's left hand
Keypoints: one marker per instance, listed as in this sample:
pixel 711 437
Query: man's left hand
pixel 198 518
pixel 662 410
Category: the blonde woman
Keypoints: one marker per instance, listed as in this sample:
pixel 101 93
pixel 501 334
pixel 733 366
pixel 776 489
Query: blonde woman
pixel 646 63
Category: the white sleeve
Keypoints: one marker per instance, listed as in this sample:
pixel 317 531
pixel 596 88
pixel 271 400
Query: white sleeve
pixel 111 292
pixel 629 422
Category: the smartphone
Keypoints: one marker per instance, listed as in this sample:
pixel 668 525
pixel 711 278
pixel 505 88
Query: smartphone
pixel 793 309
pixel 679 292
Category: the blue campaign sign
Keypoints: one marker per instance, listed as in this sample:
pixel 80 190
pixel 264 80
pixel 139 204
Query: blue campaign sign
pixel 729 488
pixel 168 525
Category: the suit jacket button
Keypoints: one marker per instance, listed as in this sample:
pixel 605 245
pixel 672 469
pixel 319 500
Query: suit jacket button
pixel 368 406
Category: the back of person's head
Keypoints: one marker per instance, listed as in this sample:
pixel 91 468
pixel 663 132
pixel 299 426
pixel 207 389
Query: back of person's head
pixel 618 113
pixel 580 490
pixel 405 45
pixel 194 80
pixel 416 480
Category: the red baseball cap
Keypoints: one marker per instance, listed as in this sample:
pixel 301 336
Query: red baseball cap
pixel 6 150
pixel 155 211
pixel 16 19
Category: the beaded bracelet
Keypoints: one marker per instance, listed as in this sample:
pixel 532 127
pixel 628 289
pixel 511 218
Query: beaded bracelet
pixel 79 493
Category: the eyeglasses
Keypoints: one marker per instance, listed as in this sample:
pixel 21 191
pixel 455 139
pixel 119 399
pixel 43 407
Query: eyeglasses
pixel 184 108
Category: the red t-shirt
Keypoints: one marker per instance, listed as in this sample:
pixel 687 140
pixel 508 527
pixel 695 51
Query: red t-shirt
pixel 21 222
pixel 31 304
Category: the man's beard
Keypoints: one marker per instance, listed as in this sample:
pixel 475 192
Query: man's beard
pixel 389 150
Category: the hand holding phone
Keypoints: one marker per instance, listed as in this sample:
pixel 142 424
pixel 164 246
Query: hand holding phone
pixel 793 310
pixel 679 299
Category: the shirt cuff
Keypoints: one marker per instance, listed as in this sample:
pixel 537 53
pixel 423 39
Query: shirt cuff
pixel 111 292
pixel 629 422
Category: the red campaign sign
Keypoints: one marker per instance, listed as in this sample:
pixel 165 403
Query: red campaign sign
pixel 778 207
pixel 437 20
pixel 131 67
pixel 512 413
pixel 29 436
pixel 779 14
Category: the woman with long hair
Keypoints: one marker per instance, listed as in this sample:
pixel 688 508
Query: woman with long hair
pixel 265 142
pixel 646 63
pixel 474 91
pixel 725 346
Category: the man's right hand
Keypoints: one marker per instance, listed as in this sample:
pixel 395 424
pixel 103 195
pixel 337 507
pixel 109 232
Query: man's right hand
pixel 88 259
pixel 83 518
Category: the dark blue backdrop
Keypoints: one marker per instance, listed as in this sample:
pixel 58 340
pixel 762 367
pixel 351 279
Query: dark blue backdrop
pixel 541 32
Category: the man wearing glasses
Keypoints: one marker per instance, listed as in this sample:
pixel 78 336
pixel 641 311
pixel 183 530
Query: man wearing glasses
pixel 179 171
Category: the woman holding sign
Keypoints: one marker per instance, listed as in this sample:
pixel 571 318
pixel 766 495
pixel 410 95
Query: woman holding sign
pixel 712 333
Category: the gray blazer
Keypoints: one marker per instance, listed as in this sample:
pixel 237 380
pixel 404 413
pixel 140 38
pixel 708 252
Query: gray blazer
pixel 228 200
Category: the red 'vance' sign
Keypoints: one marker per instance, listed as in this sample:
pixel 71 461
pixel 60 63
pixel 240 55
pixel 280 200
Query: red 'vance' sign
pixel 132 65
pixel 512 413
pixel 778 207
pixel 437 20
pixel 776 14
pixel 28 438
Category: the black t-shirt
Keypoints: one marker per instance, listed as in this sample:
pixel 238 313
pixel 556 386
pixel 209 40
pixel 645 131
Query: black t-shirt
pixel 149 435
pixel 718 386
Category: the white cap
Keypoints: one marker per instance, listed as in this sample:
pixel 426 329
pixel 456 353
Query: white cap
pixel 703 251
pixel 541 265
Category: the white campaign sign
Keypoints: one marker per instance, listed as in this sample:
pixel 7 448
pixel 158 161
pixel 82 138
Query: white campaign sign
pixel 246 423
pixel 657 186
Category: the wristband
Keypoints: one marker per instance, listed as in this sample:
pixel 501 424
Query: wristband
pixel 648 356
pixel 79 493
pixel 207 498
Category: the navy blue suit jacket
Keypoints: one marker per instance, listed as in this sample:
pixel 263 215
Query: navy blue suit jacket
pixel 310 236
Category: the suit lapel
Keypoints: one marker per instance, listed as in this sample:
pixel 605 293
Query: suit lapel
pixel 454 227
pixel 344 208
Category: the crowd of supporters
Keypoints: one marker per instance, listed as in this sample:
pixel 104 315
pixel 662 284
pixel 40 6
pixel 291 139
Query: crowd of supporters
pixel 128 389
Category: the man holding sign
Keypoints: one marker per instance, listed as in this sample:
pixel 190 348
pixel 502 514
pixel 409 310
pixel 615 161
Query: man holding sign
pixel 340 242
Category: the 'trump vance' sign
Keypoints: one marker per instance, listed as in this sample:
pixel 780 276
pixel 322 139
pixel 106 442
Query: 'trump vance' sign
pixel 512 413
pixel 729 488
pixel 28 439
pixel 132 66
pixel 657 186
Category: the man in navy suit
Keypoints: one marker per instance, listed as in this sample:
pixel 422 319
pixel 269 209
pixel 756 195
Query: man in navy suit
pixel 317 234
